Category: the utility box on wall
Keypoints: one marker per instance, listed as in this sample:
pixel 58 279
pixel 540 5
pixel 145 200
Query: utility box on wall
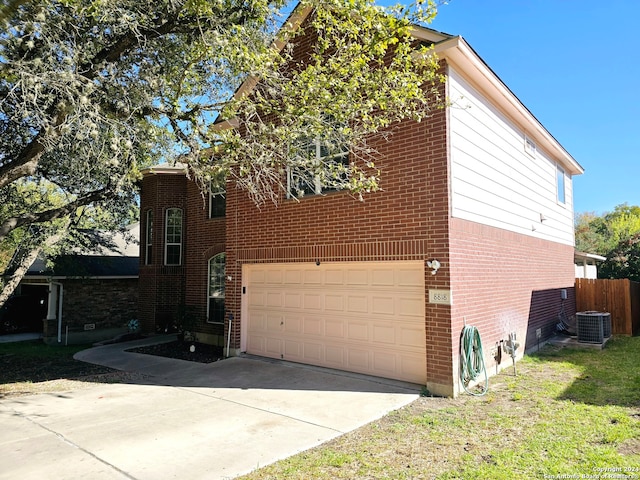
pixel 593 327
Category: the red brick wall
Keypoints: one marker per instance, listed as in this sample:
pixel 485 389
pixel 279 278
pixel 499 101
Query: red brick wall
pixel 165 291
pixel 504 282
pixel 408 220
pixel 205 238
pixel 107 303
pixel 161 287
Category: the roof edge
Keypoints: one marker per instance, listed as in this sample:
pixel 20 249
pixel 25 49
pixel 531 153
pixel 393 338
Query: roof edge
pixel 462 56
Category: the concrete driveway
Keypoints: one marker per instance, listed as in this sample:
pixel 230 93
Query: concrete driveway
pixel 184 419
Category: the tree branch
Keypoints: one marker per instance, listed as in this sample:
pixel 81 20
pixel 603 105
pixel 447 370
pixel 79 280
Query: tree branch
pixel 15 278
pixel 12 223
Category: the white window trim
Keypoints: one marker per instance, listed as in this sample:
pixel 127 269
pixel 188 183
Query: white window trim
pixel 148 238
pixel 209 296
pixel 214 194
pixel 559 171
pixel 318 159
pixel 166 234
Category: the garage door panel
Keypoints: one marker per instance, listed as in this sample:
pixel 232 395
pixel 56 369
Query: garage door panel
pixel 382 305
pixel 382 277
pixel 274 299
pixel 292 324
pixel 384 334
pixel 411 367
pixel 358 331
pixel 274 322
pixel 358 359
pixel 409 336
pixel 334 302
pixel 357 277
pixel 334 328
pixel 293 350
pixel 257 321
pixel 273 277
pixel 258 275
pixel 334 276
pixel 292 300
pixel 385 362
pixel 312 301
pixel 273 347
pixel 312 326
pixel 365 317
pixel 293 277
pixel 313 277
pixel 334 356
pixel 357 304
pixel 411 306
pixel 257 299
pixel 411 278
pixel 313 353
pixel 256 344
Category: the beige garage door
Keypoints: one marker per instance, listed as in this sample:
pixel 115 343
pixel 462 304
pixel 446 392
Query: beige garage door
pixel 365 317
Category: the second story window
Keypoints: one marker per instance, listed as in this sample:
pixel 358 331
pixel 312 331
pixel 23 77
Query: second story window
pixel 330 160
pixel 217 204
pixel 561 184
pixel 173 237
pixel 148 245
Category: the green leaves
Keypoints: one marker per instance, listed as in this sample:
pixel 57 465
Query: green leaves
pixel 349 61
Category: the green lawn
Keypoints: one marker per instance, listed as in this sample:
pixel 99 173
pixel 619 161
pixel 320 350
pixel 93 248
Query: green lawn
pixel 569 412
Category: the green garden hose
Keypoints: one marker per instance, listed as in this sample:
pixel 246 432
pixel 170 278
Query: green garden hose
pixel 472 360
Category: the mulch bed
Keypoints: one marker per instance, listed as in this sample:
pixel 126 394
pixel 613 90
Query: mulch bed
pixel 202 352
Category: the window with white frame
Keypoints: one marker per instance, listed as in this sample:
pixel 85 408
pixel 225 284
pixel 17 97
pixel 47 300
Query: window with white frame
pixel 173 237
pixel 217 203
pixel 217 278
pixel 560 184
pixel 328 160
pixel 148 236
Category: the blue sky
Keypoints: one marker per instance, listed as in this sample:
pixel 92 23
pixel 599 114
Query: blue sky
pixel 576 66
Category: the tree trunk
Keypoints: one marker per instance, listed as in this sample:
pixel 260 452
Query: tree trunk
pixel 13 282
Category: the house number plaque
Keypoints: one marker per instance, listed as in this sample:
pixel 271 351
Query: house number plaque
pixel 442 297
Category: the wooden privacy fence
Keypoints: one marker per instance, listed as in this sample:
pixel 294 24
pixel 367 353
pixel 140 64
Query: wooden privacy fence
pixel 621 298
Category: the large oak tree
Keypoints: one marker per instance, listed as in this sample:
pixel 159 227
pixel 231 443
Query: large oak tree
pixel 93 90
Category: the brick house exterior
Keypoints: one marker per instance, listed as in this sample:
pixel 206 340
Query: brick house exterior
pixel 86 296
pixel 504 261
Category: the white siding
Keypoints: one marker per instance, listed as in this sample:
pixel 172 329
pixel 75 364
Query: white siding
pixel 494 181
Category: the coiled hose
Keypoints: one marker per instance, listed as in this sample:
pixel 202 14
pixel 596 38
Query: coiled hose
pixel 472 360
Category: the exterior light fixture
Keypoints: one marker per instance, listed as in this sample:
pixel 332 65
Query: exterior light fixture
pixel 434 265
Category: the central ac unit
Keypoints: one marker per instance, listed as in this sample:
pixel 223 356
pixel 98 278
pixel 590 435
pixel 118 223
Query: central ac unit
pixel 593 327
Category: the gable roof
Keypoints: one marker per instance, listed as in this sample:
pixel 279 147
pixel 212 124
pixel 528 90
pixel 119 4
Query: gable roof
pixel 116 255
pixel 456 51
pixel 86 266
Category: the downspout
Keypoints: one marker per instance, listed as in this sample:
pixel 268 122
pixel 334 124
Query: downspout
pixel 229 334
pixel 60 295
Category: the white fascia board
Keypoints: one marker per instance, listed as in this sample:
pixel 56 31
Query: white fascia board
pixel 457 52
pixel 428 35
pixel 165 169
pixel 593 256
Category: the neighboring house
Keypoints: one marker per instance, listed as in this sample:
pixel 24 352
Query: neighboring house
pixel 87 296
pixel 482 187
pixel 586 264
